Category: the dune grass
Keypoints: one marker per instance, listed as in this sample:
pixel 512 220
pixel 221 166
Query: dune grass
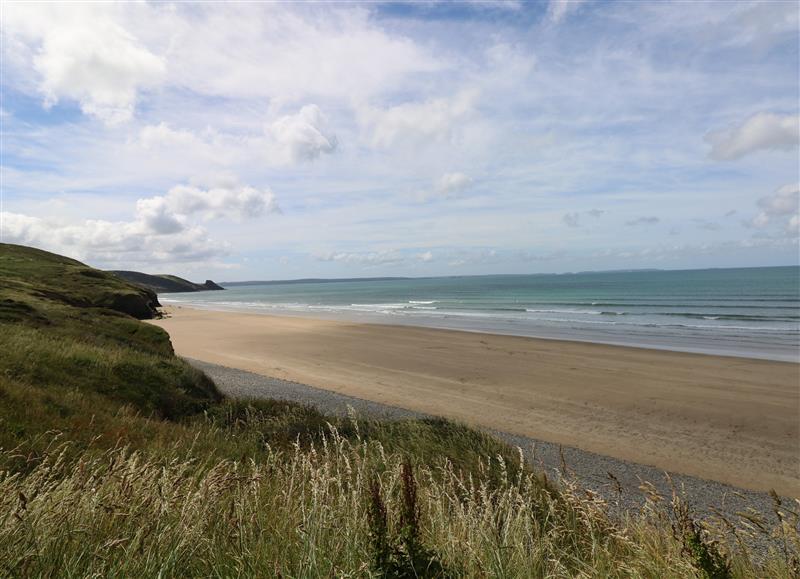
pixel 119 459
pixel 332 506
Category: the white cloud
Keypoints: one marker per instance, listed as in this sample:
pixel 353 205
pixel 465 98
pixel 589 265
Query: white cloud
pixel 369 258
pixel 474 256
pixel 760 220
pixel 289 139
pixel 451 184
pixel 80 52
pixel 785 202
pixel 157 216
pixel 447 186
pixel 762 131
pixel 108 243
pixel 793 227
pixel 225 200
pixel 162 135
pixel 161 229
pixel 273 51
pixel 417 122
pixel 304 136
pixel 557 10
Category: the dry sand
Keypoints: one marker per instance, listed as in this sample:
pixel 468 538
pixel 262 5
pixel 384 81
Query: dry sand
pixel 734 420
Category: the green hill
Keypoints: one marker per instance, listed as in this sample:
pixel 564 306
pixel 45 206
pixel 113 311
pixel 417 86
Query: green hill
pixel 38 277
pixel 165 283
pixel 64 325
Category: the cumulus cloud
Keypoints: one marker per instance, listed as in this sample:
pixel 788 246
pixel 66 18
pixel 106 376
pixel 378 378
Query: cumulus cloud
pixel 762 131
pixel 783 203
pixel 595 212
pixel 304 135
pixel 417 122
pixel 643 221
pixel 81 53
pixel 157 217
pixel 225 200
pixel 161 230
pixel 108 243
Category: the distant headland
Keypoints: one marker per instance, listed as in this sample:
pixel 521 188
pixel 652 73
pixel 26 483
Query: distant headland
pixel 162 284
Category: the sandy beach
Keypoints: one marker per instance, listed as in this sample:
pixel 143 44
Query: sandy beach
pixel 733 420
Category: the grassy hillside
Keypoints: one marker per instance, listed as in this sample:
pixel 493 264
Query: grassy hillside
pixel 66 326
pixel 118 459
pixel 165 283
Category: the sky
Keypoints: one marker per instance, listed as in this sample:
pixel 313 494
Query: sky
pixel 239 141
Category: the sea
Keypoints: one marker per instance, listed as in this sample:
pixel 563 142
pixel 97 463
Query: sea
pixel 749 312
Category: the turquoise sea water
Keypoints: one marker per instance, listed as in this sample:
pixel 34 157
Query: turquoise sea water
pixel 744 312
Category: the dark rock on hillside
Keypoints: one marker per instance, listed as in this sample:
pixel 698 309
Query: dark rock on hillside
pixel 141 306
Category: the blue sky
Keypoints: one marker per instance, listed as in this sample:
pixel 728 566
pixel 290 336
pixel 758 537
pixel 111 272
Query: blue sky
pixel 242 141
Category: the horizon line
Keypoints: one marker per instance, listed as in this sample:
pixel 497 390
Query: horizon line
pixel 402 277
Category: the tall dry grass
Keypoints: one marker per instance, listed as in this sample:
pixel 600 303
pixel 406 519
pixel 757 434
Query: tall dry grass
pixel 346 508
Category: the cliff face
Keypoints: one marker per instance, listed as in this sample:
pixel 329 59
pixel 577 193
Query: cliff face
pixel 163 284
pixel 141 306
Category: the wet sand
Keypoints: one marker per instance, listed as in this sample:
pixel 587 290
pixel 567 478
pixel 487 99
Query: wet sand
pixel 733 420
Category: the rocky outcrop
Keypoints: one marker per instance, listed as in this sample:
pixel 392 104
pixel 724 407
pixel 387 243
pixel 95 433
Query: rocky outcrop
pixel 141 305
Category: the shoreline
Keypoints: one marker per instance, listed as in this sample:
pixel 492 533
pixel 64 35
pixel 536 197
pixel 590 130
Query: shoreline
pixel 734 420
pixel 682 344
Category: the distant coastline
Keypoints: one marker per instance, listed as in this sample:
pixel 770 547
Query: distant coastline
pixel 164 283
pixel 391 278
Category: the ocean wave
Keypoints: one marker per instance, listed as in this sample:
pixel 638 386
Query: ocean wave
pixel 591 312
pixel 655 325
pixel 712 304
